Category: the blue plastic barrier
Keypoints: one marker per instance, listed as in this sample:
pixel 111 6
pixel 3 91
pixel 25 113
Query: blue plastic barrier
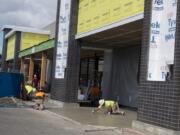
pixel 10 84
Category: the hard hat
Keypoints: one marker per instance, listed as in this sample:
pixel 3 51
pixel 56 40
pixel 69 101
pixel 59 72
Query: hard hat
pixel 101 102
pixel 34 89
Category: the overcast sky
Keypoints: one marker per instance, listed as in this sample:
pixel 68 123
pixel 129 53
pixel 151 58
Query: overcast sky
pixel 35 13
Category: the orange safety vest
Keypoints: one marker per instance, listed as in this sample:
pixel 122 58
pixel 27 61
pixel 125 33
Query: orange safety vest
pixel 40 94
pixel 94 91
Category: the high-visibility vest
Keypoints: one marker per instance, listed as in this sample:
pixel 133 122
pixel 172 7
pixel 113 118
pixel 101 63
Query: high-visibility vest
pixel 40 94
pixel 29 89
pixel 109 103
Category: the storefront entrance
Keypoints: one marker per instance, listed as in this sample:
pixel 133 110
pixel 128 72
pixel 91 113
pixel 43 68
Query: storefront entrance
pixel 120 58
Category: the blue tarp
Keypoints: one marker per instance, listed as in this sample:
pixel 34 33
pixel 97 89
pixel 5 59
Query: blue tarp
pixel 10 84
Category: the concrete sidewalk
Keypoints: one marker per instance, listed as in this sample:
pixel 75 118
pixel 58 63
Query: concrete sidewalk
pixel 84 115
pixel 76 120
pixel 31 122
pixel 93 127
pixel 97 121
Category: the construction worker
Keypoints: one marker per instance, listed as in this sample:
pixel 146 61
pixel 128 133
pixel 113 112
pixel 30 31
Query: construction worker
pixel 29 90
pixel 40 94
pixel 94 94
pixel 35 81
pixel 111 107
pixel 39 100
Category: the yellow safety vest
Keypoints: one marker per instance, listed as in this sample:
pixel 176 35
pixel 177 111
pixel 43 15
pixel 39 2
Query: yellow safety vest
pixel 109 104
pixel 29 89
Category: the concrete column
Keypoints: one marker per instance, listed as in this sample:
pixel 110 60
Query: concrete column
pixel 31 69
pixel 16 61
pixel 73 61
pixel 107 74
pixel 22 66
pixel 66 90
pixel 43 69
pixel 4 52
pixel 96 66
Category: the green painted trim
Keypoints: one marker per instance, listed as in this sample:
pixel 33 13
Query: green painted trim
pixel 38 48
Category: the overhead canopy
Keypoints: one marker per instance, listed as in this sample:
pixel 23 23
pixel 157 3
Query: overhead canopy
pixel 122 36
pixel 37 48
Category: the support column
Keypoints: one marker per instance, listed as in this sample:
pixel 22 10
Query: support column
pixel 96 66
pixel 66 89
pixel 88 70
pixel 107 74
pixel 4 52
pixel 31 69
pixel 43 69
pixel 158 102
pixel 16 61
pixel 22 66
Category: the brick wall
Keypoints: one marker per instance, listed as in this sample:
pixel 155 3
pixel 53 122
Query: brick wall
pixel 159 102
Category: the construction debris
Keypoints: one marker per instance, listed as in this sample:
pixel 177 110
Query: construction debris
pixel 7 101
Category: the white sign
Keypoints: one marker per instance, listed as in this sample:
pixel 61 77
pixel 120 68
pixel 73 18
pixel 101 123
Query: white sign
pixel 162 39
pixel 63 39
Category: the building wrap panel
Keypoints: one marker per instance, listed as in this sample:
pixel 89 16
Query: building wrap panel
pixel 11 47
pixel 31 39
pixel 94 14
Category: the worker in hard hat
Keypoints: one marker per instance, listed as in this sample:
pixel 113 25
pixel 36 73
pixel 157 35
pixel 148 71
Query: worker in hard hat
pixel 111 107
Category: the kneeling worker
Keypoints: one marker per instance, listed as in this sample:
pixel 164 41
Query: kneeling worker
pixel 112 107
pixel 29 90
pixel 39 100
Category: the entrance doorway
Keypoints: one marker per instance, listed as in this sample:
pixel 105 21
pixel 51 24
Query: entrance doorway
pixel 39 64
pixel 121 60
pixel 90 76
